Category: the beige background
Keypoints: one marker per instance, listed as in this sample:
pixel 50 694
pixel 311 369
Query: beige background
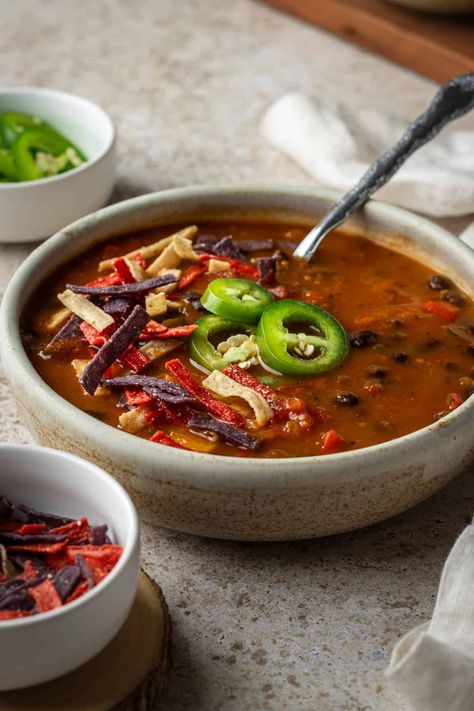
pixel 302 626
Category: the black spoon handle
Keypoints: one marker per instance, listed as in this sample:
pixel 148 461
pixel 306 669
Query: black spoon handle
pixel 452 100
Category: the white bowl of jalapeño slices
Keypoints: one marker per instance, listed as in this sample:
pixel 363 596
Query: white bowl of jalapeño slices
pixel 57 161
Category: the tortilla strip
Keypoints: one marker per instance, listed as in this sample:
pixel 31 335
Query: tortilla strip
pixel 57 319
pixel 224 386
pixel 134 420
pixel 157 348
pixel 137 272
pixel 155 304
pixel 151 250
pixel 85 309
pixel 217 265
pixel 79 364
pixel 180 248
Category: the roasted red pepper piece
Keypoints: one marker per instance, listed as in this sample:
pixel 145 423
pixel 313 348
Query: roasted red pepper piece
pixel 93 336
pixel 153 330
pixel 29 571
pixel 123 270
pixel 135 396
pixel 134 359
pixel 139 260
pixel 76 531
pixel 10 526
pixel 14 614
pixel 164 332
pixel 28 528
pixel 237 267
pixel 443 309
pixel 46 596
pixel 78 591
pixel 217 408
pixel 163 438
pixel 43 548
pixel 332 442
pixel 190 275
pixel 108 280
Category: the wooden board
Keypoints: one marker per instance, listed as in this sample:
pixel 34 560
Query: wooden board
pixel 129 674
pixel 434 45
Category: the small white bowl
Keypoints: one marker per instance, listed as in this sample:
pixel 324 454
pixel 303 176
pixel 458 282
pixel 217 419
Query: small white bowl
pixel 36 209
pixel 42 647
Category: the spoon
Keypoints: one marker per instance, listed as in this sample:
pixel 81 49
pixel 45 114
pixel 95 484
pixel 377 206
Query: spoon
pixel 452 100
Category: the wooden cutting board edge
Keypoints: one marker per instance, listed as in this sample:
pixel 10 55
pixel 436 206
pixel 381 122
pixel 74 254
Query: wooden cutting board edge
pixel 381 34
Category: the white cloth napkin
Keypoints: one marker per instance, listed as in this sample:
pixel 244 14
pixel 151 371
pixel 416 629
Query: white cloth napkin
pixel 433 665
pixel 335 143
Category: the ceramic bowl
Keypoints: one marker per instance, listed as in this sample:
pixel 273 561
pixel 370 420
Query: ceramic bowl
pixel 244 498
pixel 39 648
pixel 36 209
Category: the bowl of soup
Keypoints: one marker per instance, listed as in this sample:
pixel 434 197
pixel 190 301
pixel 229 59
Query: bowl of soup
pixel 234 390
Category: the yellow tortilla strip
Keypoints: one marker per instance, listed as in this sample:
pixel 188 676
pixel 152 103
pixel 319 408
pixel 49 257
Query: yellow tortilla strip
pixel 178 250
pixel 217 265
pixel 85 309
pixel 224 386
pixel 134 420
pixel 57 319
pixel 157 348
pixel 137 272
pixel 155 304
pixel 151 251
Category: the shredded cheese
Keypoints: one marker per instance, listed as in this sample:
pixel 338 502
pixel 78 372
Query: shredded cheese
pixel 224 386
pixel 85 309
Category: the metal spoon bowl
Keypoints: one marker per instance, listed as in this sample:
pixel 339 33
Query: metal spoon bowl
pixel 452 100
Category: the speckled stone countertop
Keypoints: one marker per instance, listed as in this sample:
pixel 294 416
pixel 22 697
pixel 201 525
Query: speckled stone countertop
pixel 302 626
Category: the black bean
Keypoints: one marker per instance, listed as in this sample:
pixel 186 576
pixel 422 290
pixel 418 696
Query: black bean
pixel 400 356
pixel 456 299
pixel 377 371
pixel 347 398
pixel 363 339
pixel 438 282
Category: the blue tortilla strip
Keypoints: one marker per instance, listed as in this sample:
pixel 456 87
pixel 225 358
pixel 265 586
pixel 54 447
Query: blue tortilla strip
pixel 194 300
pixel 118 342
pixel 10 512
pixel 99 535
pixel 267 267
pixel 33 516
pixel 67 336
pixel 155 387
pixel 86 572
pixel 19 599
pixel 136 287
pixel 255 245
pixel 229 433
pixel 226 247
pixel 66 579
pixel 19 559
pixel 205 244
pixel 118 307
